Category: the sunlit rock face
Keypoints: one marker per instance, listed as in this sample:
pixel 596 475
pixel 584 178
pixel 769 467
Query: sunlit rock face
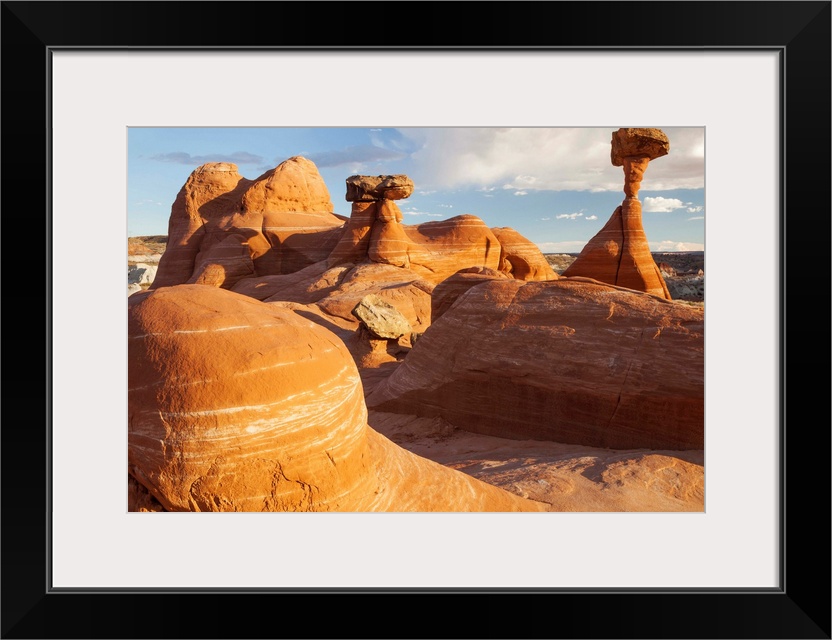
pixel 435 250
pixel 619 254
pixel 224 227
pixel 521 258
pixel 572 361
pixel 239 405
pixel 449 290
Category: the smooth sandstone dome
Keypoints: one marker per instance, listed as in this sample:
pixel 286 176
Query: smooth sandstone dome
pixel 231 228
pixel 225 230
pixel 572 360
pixel 239 405
pixel 450 289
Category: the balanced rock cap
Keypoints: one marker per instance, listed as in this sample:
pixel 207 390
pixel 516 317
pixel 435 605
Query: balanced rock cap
pixel 369 188
pixel 626 142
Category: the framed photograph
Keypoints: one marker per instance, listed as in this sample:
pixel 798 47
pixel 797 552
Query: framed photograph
pixel 755 76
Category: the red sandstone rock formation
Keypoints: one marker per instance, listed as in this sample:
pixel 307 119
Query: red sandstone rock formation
pixel 619 254
pixel 374 229
pixel 338 290
pixel 572 360
pixel 435 250
pixel 237 405
pixel 449 290
pixel 521 258
pixel 443 247
pixel 231 232
pixel 224 227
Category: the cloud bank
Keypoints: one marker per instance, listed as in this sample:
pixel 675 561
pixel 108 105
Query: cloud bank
pixel 355 155
pixel 532 158
pixel 180 157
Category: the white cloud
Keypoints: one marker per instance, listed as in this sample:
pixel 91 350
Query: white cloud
pixel 671 245
pixel 415 212
pixel 567 246
pixel 662 205
pixel 569 216
pixel 446 206
pixel 521 193
pixel 591 218
pixel 697 218
pixel 425 193
pixel 546 159
pixel 545 218
pixel 695 209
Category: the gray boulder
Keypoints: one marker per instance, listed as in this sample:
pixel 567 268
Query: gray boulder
pixel 381 318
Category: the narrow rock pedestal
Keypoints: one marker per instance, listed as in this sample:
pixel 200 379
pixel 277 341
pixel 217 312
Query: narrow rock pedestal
pixel 619 254
pixel 375 226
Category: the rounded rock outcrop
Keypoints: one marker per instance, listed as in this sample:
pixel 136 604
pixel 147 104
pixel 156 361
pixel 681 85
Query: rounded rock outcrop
pixel 224 227
pixel 571 360
pixel 239 405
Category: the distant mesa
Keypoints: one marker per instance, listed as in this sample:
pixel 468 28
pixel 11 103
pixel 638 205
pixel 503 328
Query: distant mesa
pixel 619 254
pixel 263 410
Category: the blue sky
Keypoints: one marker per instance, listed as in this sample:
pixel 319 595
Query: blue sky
pixel 556 186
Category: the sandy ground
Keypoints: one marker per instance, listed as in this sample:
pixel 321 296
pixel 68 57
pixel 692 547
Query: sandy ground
pixel 567 477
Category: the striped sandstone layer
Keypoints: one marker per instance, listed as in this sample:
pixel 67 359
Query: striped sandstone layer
pixel 224 227
pixel 521 258
pixel 435 250
pixel 573 361
pixel 619 254
pixel 239 405
pixel 336 291
pixel 450 289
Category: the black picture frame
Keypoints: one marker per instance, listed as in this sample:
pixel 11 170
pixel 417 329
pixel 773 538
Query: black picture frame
pixel 799 608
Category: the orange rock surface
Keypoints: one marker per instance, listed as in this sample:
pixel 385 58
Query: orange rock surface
pixel 450 289
pixel 435 250
pixel 572 360
pixel 225 230
pixel 521 258
pixel 224 227
pixel 619 254
pixel 239 405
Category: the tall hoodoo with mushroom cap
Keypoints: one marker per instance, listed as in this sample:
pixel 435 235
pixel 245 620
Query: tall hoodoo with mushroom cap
pixel 619 254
